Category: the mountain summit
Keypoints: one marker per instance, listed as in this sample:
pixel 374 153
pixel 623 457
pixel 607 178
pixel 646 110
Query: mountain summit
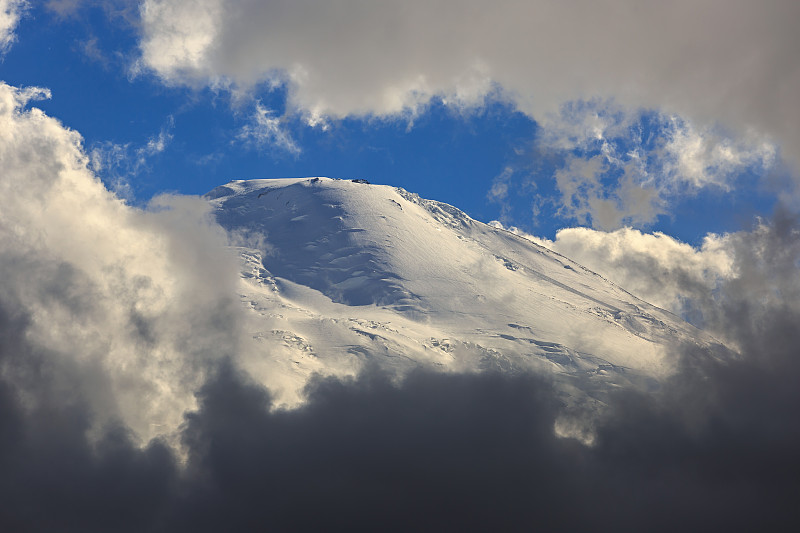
pixel 341 273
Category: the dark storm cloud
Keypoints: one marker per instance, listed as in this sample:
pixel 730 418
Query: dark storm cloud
pixel 718 447
pixel 715 449
pixel 54 477
pixel 442 452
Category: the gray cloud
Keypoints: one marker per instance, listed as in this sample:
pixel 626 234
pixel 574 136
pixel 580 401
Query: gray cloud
pixel 440 452
pixel 711 61
pixel 60 473
pixel 588 200
pixel 714 448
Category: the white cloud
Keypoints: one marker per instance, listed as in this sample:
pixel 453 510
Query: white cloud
pixel 625 167
pixel 700 157
pixel 743 277
pixel 118 163
pixel 10 13
pixel 586 125
pixel 130 305
pixel 65 8
pixel 733 61
pixel 499 192
pixel 629 200
pixel 656 267
pixel 157 144
pixel 179 36
pixel 266 129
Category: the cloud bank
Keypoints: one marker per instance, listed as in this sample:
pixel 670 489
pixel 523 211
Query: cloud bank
pixel 753 271
pixel 655 267
pixel 711 60
pixel 106 294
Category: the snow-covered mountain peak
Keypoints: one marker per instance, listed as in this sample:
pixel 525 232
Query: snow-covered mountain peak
pixel 348 272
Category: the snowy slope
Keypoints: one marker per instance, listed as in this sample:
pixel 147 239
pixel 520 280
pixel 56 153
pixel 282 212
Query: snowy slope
pixel 338 274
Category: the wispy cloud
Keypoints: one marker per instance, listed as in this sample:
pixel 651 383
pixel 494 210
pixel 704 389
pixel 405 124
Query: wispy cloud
pixel 695 158
pixel 619 167
pixel 65 8
pixel 10 13
pixel 499 192
pixel 119 163
pixel 266 129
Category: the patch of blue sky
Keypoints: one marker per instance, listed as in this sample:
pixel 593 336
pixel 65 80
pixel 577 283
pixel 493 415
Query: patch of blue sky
pixel 83 61
pixel 444 155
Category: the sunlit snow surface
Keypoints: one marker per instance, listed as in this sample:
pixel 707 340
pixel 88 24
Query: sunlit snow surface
pixel 339 274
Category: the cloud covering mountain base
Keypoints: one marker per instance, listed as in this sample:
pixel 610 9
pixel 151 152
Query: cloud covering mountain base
pixel 441 452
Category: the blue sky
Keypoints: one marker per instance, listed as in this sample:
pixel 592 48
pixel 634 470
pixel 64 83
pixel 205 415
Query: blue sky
pixel 149 131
